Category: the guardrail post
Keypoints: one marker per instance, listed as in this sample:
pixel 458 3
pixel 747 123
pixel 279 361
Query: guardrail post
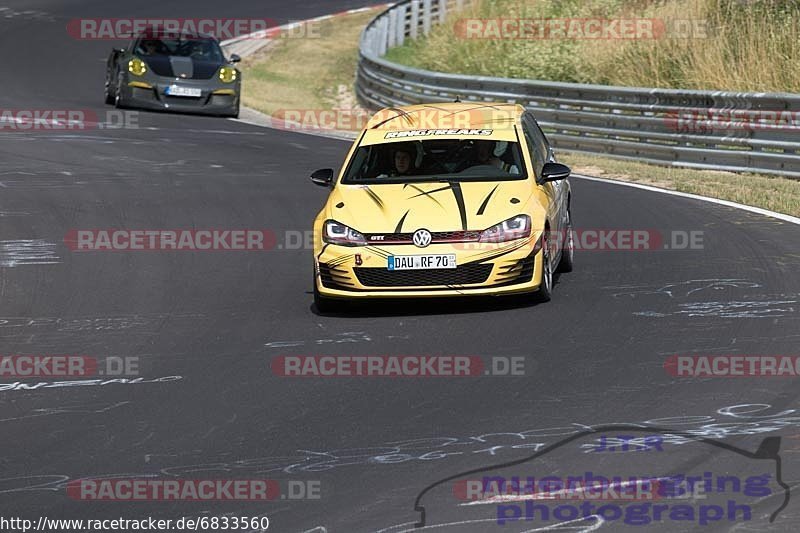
pixel 414 23
pixel 401 25
pixel 383 36
pixel 365 45
pixel 392 28
pixel 373 41
pixel 427 13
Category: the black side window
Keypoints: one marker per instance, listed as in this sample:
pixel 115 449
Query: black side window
pixel 537 144
pixel 545 145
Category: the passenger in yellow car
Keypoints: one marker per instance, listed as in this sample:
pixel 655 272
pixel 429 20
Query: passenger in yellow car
pixel 485 155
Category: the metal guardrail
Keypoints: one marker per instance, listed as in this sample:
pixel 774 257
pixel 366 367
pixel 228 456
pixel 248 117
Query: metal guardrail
pixel 659 126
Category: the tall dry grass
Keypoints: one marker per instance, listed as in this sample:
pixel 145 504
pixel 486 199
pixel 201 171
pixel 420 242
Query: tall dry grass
pixel 741 45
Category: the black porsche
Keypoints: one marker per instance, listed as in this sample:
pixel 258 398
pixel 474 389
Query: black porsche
pixel 178 72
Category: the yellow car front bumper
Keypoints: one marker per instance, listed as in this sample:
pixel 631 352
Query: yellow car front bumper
pixel 482 269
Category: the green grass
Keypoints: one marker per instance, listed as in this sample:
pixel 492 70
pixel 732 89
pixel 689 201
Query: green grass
pixel 306 73
pixel 773 193
pixel 741 46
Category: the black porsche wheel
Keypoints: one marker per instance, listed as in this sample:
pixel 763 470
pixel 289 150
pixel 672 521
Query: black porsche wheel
pixel 109 97
pixel 119 99
pixel 233 113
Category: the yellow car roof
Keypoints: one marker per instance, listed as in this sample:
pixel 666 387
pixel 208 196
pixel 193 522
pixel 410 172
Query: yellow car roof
pixel 478 120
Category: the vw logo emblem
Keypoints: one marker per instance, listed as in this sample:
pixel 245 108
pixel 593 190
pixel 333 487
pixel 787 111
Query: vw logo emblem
pixel 422 238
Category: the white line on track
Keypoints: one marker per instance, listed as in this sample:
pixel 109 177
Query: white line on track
pixel 727 203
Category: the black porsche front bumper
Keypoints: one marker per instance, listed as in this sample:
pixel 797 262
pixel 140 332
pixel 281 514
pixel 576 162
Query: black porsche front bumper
pixel 216 98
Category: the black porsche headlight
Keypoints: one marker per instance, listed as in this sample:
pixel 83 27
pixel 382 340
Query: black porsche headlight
pixel 227 74
pixel 137 67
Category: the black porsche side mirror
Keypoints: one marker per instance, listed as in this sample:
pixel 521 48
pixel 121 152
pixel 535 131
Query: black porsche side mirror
pixel 554 172
pixel 322 177
pixel 235 58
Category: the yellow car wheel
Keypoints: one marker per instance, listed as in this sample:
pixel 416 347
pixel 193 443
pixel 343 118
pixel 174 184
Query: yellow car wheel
pixel 545 292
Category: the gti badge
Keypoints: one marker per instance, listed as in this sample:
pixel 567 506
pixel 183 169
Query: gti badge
pixel 422 238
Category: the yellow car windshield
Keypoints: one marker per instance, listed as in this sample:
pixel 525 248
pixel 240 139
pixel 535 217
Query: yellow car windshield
pixel 436 159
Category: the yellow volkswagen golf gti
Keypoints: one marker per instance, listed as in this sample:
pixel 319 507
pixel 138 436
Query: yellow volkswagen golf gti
pixel 442 200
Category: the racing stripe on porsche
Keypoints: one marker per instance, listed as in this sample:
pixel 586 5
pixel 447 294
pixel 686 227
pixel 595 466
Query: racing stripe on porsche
pixel 482 208
pixel 462 208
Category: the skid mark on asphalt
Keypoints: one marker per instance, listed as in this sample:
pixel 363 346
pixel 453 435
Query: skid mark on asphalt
pixel 29 14
pixel 758 306
pixel 50 411
pixel 27 252
pixel 685 288
pixel 48 182
pixel 105 323
pixel 137 161
pixel 21 386
pixel 735 309
pixel 341 338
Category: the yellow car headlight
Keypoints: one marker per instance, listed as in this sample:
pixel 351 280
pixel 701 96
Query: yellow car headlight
pixel 227 74
pixel 137 67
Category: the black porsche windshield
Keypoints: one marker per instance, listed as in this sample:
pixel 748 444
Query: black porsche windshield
pixel 196 48
pixel 436 159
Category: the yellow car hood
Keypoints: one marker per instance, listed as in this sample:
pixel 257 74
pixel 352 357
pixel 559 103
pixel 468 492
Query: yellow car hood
pixel 447 206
